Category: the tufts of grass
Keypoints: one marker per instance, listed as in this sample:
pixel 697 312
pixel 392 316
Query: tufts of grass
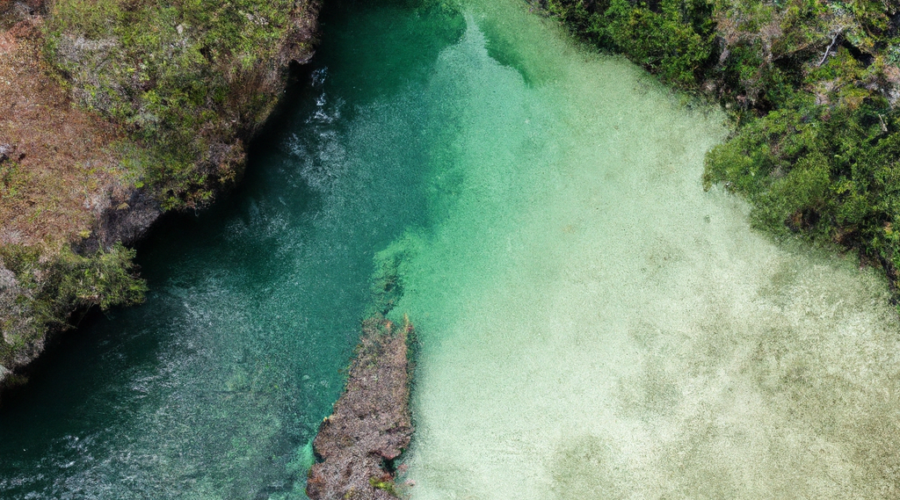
pixel 188 80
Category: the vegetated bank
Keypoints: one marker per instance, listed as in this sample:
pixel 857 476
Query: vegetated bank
pixel 812 87
pixel 112 112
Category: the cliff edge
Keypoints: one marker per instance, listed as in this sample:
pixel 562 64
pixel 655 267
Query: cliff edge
pixel 112 112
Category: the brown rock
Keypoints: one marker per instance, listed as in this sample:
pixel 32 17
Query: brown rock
pixel 6 152
pixel 371 424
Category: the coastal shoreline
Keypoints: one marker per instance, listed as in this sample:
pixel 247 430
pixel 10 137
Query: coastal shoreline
pixel 81 185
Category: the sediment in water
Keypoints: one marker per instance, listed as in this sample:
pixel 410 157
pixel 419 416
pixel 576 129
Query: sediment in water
pixel 595 326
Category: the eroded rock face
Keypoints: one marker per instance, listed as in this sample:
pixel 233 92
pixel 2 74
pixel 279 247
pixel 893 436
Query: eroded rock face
pixel 371 424
pixel 13 323
pixel 6 151
pixel 69 147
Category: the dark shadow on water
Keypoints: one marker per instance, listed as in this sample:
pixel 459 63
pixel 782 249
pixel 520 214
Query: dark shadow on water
pixel 254 304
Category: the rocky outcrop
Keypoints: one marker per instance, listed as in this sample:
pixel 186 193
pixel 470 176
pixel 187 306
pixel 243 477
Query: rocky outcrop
pixel 138 128
pixel 371 425
pixel 124 218
pixel 7 151
pixel 13 319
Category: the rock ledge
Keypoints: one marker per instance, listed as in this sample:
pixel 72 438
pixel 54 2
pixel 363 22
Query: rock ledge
pixel 371 425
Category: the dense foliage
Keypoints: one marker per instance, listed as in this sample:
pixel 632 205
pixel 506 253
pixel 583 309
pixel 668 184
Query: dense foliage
pixel 811 86
pixel 187 79
pixel 674 37
pixel 44 291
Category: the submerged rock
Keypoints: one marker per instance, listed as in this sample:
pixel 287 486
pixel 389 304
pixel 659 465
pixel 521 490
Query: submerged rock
pixel 371 426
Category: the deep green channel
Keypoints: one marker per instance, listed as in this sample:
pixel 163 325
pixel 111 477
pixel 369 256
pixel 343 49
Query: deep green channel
pixel 212 388
pixel 593 325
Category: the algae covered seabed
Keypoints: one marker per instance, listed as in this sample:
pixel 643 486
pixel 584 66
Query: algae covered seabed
pixel 592 324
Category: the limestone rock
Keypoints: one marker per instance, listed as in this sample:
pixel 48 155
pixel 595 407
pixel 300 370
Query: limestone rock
pixel 371 424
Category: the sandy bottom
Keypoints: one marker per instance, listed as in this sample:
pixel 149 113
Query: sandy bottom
pixel 595 326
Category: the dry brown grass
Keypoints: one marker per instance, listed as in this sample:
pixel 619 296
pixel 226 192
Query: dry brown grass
pixel 64 166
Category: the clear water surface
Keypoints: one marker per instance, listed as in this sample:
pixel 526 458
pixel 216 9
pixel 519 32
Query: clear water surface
pixel 593 325
pixel 215 386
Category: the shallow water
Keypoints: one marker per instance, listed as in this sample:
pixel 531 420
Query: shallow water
pixel 593 324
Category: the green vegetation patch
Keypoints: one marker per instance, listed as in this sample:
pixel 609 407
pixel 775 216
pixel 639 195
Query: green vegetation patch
pixel 674 37
pixel 812 87
pixel 187 79
pixel 186 83
pixel 37 293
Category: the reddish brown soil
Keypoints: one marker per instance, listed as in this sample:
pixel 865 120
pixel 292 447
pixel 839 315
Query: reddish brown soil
pixel 61 166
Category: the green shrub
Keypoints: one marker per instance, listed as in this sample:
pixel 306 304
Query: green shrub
pixel 830 173
pixel 48 290
pixel 673 38
pixel 816 146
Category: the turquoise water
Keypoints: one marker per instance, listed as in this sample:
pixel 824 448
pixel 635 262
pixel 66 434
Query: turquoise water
pixel 593 325
pixel 213 387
